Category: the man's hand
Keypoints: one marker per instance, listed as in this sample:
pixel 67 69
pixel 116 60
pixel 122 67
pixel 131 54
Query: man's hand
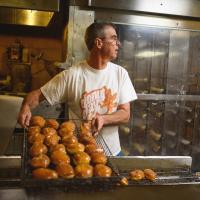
pixel 97 124
pixel 31 101
pixel 24 116
pixel 122 115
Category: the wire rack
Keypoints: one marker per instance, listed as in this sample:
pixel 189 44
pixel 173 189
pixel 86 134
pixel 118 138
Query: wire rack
pixel 94 183
pixel 102 143
pixel 97 183
pixel 16 142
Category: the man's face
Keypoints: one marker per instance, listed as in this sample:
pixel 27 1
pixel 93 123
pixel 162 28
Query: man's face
pixel 110 43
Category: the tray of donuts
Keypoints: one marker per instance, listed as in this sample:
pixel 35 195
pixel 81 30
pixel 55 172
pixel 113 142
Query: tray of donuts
pixel 58 153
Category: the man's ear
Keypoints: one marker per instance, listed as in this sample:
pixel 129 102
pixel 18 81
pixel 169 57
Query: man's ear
pixel 98 43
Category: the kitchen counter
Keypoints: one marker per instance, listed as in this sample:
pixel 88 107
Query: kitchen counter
pixel 11 186
pixel 182 192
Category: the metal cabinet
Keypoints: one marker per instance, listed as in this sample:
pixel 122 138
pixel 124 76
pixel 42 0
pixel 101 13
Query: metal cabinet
pixel 161 55
pixel 164 67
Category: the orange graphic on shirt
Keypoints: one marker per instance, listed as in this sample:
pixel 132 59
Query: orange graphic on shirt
pixel 100 101
pixel 109 101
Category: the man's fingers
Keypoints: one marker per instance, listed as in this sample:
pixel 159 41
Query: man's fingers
pixel 97 124
pixel 24 119
pixel 21 120
pixel 95 134
pixel 94 128
pixel 27 120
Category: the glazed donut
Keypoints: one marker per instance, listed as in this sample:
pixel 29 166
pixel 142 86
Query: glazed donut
pixel 52 123
pixel 58 157
pixel 68 125
pixel 48 131
pixel 52 140
pixel 44 173
pixel 102 170
pixel 136 175
pixel 83 171
pixel 92 148
pixel 37 149
pixel 124 181
pixel 57 147
pixel 65 170
pixel 69 140
pixel 75 148
pixel 85 139
pixel 63 132
pixel 32 130
pixel 37 137
pixel 81 158
pixel 40 161
pixel 150 174
pixel 98 158
pixel 37 121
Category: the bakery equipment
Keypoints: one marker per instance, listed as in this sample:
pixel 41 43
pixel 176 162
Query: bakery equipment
pixel 171 170
pixel 182 185
pixel 69 184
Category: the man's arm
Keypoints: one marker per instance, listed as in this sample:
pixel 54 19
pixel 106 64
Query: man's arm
pixel 30 102
pixel 122 115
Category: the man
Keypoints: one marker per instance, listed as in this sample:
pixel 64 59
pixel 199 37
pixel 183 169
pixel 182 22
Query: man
pixel 95 89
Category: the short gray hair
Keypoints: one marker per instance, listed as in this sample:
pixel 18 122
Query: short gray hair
pixel 95 30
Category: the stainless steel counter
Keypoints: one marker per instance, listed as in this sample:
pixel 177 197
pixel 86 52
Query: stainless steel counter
pixel 190 190
pixel 13 189
pixel 183 192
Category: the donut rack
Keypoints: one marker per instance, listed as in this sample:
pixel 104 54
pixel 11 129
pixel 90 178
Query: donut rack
pixel 173 176
pixel 96 183
pixel 170 174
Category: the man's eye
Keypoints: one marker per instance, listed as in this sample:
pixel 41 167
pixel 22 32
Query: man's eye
pixel 115 38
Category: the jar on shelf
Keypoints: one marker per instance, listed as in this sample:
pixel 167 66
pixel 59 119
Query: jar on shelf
pixel 15 51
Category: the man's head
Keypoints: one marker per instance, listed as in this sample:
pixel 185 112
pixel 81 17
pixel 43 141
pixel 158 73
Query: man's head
pixel 103 37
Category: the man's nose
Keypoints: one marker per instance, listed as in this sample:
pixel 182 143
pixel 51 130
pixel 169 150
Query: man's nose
pixel 118 43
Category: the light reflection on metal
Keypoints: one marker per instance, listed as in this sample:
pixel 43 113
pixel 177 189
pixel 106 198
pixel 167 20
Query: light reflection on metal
pixel 120 17
pixel 186 8
pixel 170 97
pixel 165 7
pixel 149 54
pixel 33 17
pixel 25 17
pixel 44 5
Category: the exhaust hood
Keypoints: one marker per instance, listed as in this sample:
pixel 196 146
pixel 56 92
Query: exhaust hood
pixel 28 12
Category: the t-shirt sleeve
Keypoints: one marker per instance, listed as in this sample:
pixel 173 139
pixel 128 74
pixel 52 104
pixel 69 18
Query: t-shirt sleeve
pixel 55 91
pixel 127 91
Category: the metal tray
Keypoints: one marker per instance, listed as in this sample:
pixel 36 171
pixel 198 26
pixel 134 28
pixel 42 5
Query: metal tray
pixel 178 174
pixel 96 183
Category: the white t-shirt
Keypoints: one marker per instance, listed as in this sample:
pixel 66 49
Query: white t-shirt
pixel 89 91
